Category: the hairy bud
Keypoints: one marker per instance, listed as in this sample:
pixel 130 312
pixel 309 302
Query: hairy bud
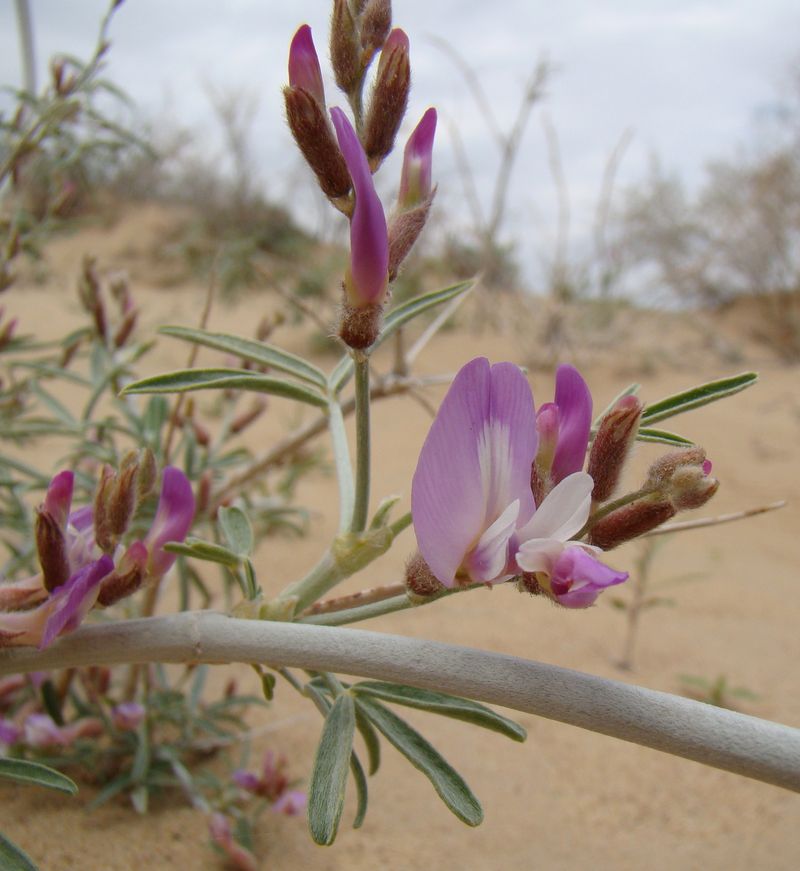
pixel 51 547
pixel 314 137
pixel 375 23
pixel 612 444
pixel 389 99
pixel 630 521
pixel 119 585
pixel 665 467
pixel 404 230
pixel 345 53
pixel 420 580
pixel 359 326
pixel 691 487
pixel 102 523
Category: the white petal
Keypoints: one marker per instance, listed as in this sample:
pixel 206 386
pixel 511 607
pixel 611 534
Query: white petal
pixel 564 510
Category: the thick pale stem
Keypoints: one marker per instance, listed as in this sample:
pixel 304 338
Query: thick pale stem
pixel 341 458
pixel 713 736
pixel 361 507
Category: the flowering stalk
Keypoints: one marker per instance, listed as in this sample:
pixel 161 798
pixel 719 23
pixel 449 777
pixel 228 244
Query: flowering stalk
pixel 363 461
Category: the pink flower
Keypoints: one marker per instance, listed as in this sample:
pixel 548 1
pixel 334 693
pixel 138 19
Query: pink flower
pixel 471 499
pixel 416 176
pixel 292 803
pixel 221 831
pixel 368 274
pixel 127 716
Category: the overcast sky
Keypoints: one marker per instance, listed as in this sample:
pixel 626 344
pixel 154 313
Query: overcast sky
pixel 691 79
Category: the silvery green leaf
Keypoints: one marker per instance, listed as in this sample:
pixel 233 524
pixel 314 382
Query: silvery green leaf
pixel 660 436
pixel 185 380
pixel 204 550
pixel 237 529
pixel 447 782
pixel 261 353
pixel 329 777
pixel 697 397
pixel 444 704
pixel 26 771
pixel 12 858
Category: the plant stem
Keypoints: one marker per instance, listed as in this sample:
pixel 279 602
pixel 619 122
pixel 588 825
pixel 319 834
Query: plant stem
pixel 609 507
pixel 713 736
pixel 361 506
pixel 341 459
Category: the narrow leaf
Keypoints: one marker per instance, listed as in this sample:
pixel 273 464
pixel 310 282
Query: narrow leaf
pixel 185 380
pixel 362 792
pixel 697 396
pixel 329 777
pixel 25 771
pixel 261 353
pixel 444 704
pixel 237 530
pixel 371 741
pixel 661 436
pixel 397 318
pixel 204 550
pixel 12 858
pixel 447 782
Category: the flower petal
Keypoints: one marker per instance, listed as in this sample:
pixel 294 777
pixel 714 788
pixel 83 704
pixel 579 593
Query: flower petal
pixel 574 403
pixel 539 554
pixel 59 498
pixel 369 243
pixel 563 511
pixel 475 462
pixel 415 179
pixel 72 601
pixel 304 68
pixel 578 578
pixel 172 522
pixel 489 557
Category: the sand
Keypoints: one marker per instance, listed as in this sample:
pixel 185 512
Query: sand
pixel 566 799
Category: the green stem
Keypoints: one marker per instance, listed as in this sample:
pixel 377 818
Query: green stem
pixel 325 575
pixel 361 506
pixel 341 459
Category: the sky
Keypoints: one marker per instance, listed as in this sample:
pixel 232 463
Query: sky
pixel 691 80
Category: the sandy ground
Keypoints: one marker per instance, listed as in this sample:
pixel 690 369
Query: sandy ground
pixel 567 799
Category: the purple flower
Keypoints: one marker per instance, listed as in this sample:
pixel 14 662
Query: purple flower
pixel 304 68
pixel 471 499
pixel 10 733
pixel 564 427
pixel 368 274
pixel 292 803
pixel 415 180
pixel 565 570
pixel 64 606
pixel 41 731
pixel 127 716
pixel 471 490
pixel 172 522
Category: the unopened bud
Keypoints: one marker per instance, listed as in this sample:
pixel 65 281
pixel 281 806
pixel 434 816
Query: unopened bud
pixel 420 580
pixel 389 99
pixel 102 524
pixel 375 23
pixel 123 498
pixel 691 487
pixel 404 230
pixel 204 492
pixel 51 547
pixel 125 329
pixel 345 53
pixel 314 137
pixel 612 444
pixel 630 521
pixel 416 178
pixel 360 326
pixel 304 68
pixel 665 467
pixel 126 578
pixel 148 474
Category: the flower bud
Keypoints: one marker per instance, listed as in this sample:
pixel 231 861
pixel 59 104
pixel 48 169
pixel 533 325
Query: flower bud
pixel 612 444
pixel 404 230
pixel 148 473
pixel 665 467
pixel 692 487
pixel 102 522
pixel 51 547
pixel 630 521
pixel 314 137
pixel 416 176
pixel 304 68
pixel 127 716
pixel 389 99
pixel 345 54
pixel 421 583
pixel 375 23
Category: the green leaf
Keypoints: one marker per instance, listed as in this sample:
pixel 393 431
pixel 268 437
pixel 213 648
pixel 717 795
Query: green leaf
pixel 204 550
pixel 25 771
pixel 447 782
pixel 397 318
pixel 662 437
pixel 185 380
pixel 237 529
pixel 444 704
pixel 362 791
pixel 697 396
pixel 329 777
pixel 261 353
pixel 12 858
pixel 371 741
